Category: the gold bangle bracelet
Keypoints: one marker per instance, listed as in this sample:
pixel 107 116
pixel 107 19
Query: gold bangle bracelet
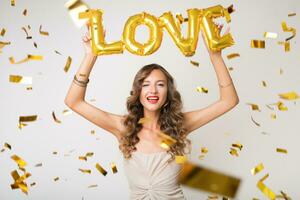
pixel 83 82
pixel 79 84
pixel 223 86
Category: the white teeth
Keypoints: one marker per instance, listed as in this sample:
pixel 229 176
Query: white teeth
pixel 152 98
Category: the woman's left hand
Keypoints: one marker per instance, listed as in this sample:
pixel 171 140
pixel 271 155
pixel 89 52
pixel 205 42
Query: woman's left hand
pixel 214 53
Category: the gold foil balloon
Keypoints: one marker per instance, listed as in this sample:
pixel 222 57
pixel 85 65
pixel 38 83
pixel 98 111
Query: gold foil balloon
pixel 186 45
pixel 99 46
pixel 211 32
pixel 155 35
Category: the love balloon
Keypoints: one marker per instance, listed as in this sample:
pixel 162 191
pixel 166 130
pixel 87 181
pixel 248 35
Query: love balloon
pixel 197 19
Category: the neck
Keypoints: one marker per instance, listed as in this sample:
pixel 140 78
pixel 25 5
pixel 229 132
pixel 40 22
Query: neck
pixel 153 117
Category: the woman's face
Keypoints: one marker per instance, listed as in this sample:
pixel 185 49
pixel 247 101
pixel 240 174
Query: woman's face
pixel 154 91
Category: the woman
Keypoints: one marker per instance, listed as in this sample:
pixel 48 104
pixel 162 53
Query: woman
pixel 151 170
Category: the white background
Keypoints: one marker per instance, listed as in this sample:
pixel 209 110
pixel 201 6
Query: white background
pixel 110 83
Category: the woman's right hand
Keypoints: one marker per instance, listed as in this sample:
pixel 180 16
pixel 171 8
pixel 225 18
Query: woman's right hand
pixel 86 39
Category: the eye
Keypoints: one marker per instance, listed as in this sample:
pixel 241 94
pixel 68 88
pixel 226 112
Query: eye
pixel 145 85
pixel 161 84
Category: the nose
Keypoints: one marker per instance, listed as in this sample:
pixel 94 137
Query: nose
pixel 153 89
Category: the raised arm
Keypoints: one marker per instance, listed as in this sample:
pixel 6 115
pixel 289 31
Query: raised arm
pixel 75 98
pixel 227 100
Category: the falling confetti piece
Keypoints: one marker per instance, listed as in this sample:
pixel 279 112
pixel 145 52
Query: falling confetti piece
pixel 68 64
pixel 92 186
pixel 237 145
pixel 56 179
pixel 28 37
pixel 32 184
pixel 291 14
pixel 264 83
pixel 289 96
pixel 233 152
pixel 29 118
pixel 257 169
pixel 39 165
pixel 7 145
pixel 208 180
pixel 89 154
pixel 166 141
pixel 113 167
pixel 3 31
pixel 273 116
pixel 280 150
pixel 194 63
pixel 285 28
pixel 87 171
pixel 264 189
pixel 202 89
pixel 21 163
pixel 287 45
pixel 43 32
pixel 20 79
pixel 55 119
pixel 25 12
pixel 233 55
pixel 281 106
pixel 101 169
pixel 12 2
pixel 254 106
pixel 258 44
pixel 29 57
pixel 204 150
pixel 270 35
pixel 74 8
pixel 19 181
pixel 181 19
pixel 82 158
pixel 256 123
pixel 93 132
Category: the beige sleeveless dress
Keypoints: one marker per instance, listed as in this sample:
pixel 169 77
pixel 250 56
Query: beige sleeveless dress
pixel 151 177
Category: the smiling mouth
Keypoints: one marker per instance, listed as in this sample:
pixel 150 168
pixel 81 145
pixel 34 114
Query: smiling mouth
pixel 153 99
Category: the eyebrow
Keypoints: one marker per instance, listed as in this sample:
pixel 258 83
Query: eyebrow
pixel 156 81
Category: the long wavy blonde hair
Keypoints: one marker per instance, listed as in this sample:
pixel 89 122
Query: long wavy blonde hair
pixel 170 118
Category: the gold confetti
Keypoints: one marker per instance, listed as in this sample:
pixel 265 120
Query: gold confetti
pixel 82 158
pixel 273 116
pixel 25 12
pixel 270 35
pixel 257 169
pixel 12 2
pixel 287 45
pixel 20 79
pixel 283 195
pixel 43 32
pixel 166 140
pixel 68 64
pixel 280 150
pixel 180 159
pixel 21 163
pixel 264 83
pixel 194 63
pixel 57 52
pixel 54 152
pixel 55 119
pixel 237 145
pixel 56 179
pixel 7 145
pixel 29 118
pixel 264 189
pixel 32 184
pixel 289 96
pixel 29 57
pixel 93 132
pixel 233 152
pixel 39 165
pixel 19 181
pixel 74 8
pixel 27 35
pixel 113 167
pixel 285 28
pixel 233 55
pixel 89 154
pixel 256 123
pixel 66 112
pixel 258 44
pixel 281 106
pixel 254 106
pixel 204 150
pixel 101 169
pixel 3 31
pixel 291 14
pixel 208 180
pixel 87 171
pixel 144 120
pixel 180 18
pixel 92 186
pixel 202 89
